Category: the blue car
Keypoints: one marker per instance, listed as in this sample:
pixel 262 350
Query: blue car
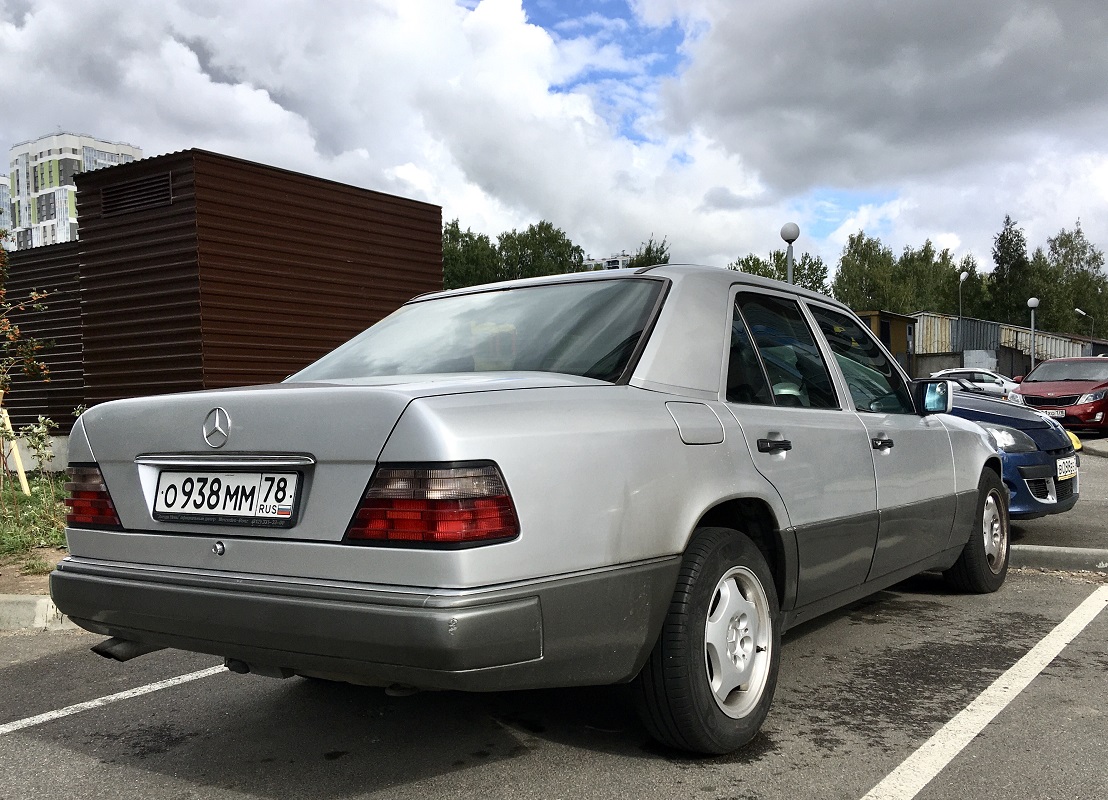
pixel 1039 463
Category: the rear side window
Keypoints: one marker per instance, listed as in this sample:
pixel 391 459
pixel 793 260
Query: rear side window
pixel 796 372
pixel 874 382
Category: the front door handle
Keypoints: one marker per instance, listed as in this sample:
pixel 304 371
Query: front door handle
pixel 774 445
pixel 881 444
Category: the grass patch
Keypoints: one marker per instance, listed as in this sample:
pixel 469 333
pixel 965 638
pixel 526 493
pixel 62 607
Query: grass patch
pixel 36 565
pixel 27 523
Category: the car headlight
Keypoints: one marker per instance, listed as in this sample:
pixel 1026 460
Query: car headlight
pixel 1092 397
pixel 1011 440
pixel 1015 397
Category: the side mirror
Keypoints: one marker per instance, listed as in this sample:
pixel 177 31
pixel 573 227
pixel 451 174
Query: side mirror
pixel 933 397
pixel 1018 379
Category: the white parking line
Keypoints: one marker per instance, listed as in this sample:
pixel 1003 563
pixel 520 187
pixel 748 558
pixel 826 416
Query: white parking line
pixel 111 698
pixel 906 781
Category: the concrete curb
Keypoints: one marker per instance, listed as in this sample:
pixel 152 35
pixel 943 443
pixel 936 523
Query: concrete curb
pixel 1094 447
pixel 1068 559
pixel 31 612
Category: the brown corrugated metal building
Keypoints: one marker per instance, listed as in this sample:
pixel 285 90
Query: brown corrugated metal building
pixel 54 269
pixel 202 271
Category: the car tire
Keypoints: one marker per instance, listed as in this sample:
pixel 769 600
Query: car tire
pixel 709 681
pixel 983 563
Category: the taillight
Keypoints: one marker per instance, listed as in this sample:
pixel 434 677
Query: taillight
pixel 88 502
pixel 458 505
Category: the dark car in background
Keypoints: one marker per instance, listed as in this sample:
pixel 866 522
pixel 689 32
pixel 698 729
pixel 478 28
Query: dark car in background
pixel 1040 465
pixel 1073 391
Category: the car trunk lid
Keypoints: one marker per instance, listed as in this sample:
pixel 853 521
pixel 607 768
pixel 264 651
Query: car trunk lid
pixel 320 441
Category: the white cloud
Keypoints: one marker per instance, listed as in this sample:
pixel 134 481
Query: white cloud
pixel 928 121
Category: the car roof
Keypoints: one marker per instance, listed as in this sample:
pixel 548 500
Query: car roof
pixel 686 348
pixel 723 275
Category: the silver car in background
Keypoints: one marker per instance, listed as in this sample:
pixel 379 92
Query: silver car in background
pixel 629 476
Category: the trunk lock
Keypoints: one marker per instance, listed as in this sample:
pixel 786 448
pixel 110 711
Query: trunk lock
pixel 218 548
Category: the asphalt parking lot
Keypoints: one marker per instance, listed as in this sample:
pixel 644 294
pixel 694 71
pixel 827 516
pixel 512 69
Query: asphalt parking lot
pixel 861 691
pixel 913 692
pixel 1086 525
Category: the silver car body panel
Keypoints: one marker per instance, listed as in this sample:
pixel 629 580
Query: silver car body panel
pixel 831 508
pixel 618 434
pixel 609 482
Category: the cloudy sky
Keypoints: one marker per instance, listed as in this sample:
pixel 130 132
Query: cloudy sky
pixel 709 122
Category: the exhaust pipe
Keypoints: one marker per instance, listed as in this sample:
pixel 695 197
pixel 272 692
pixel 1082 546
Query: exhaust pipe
pixel 242 668
pixel 124 649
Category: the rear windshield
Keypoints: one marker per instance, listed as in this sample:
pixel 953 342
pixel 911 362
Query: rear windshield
pixel 1070 371
pixel 588 328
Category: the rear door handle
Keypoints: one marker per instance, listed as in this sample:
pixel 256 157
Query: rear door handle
pixel 881 444
pixel 774 445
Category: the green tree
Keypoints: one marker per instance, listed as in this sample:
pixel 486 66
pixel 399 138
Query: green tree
pixel 1055 293
pixel 809 271
pixel 1074 278
pixel 542 249
pixel 930 280
pixel 649 253
pixel 468 258
pixel 865 280
pixel 1012 275
pixel 924 278
pixel 974 290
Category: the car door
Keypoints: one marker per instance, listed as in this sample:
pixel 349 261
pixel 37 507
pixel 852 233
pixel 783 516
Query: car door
pixel 912 456
pixel 813 450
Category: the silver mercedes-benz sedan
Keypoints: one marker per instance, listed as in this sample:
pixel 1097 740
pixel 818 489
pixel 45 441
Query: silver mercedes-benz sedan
pixel 628 476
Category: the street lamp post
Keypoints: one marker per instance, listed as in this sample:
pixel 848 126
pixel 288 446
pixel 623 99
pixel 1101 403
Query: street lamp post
pixel 1033 303
pixel 961 280
pixel 1091 323
pixel 790 232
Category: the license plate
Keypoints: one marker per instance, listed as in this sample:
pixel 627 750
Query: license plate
pixel 1057 413
pixel 261 499
pixel 1067 467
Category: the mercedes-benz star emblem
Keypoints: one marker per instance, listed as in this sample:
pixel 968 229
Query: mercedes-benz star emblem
pixel 217 427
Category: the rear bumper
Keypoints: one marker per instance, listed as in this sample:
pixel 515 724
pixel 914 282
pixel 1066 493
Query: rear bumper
pixel 587 629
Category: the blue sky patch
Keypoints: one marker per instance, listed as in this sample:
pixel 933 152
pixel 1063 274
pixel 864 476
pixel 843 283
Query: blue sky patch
pixel 648 55
pixel 829 208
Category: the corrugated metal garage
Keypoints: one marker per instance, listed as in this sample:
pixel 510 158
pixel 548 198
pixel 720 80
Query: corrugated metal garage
pixel 53 268
pixel 200 271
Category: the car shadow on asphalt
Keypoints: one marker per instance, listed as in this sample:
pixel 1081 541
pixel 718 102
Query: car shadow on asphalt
pixel 315 739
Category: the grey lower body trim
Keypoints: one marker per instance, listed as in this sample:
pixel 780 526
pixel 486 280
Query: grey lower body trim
pixel 940 561
pixel 911 533
pixel 587 629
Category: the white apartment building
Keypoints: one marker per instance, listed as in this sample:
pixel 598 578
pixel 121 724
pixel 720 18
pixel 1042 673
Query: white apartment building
pixel 43 204
pixel 5 207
